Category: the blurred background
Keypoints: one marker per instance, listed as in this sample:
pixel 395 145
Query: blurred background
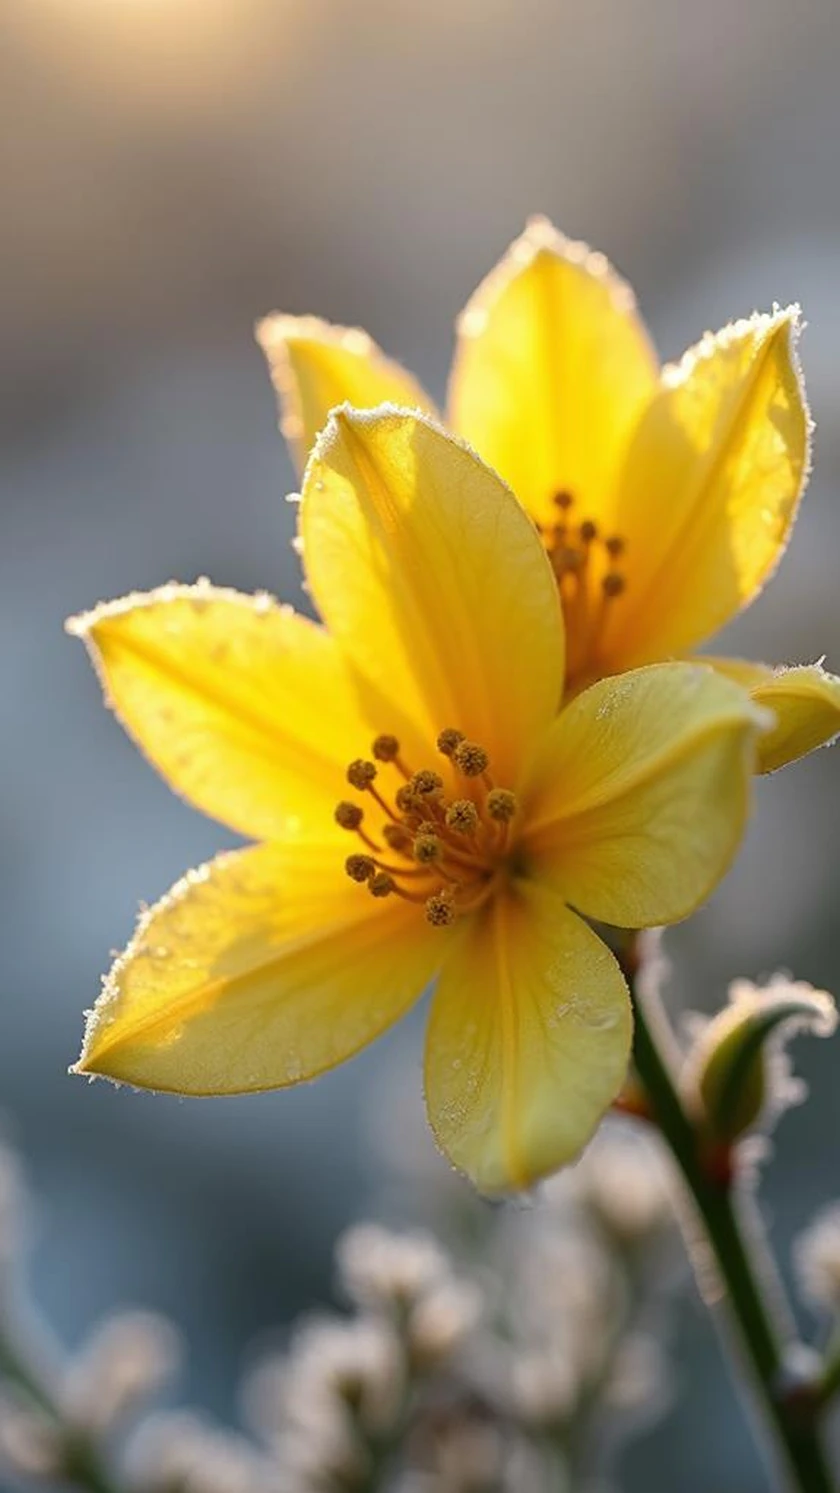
pixel 171 170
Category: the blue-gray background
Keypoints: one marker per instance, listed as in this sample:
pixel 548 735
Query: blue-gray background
pixel 171 169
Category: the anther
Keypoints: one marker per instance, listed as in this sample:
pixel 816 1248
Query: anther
pixel 568 559
pixel 612 584
pixel 348 815
pixel 360 774
pixel 588 531
pixel 404 799
pixel 427 849
pixel 386 748
pixel 440 909
pixel 449 740
pixel 462 816
pixel 397 837
pixel 501 805
pixel 425 784
pixel 614 546
pixel 470 759
pixel 564 500
pixel 381 885
pixel 360 867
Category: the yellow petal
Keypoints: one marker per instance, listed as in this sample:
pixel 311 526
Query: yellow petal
pixel 528 1040
pixel 432 578
pixel 641 793
pixel 244 706
pixel 262 969
pixel 552 369
pixel 710 488
pixel 315 366
pixel 804 698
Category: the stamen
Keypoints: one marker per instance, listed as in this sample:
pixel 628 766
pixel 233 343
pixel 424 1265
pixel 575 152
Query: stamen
pixel 349 815
pixel 449 740
pixel 383 804
pixel 427 849
pixel 482 894
pixel 501 805
pixel 425 784
pixel 360 774
pixel 458 846
pixel 401 871
pixel 462 816
pixel 565 558
pixel 397 837
pixel 470 759
pixel 440 909
pixel 584 560
pixel 386 748
pixel 404 799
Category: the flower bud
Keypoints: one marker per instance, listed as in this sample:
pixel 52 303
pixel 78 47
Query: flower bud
pixel 733 1076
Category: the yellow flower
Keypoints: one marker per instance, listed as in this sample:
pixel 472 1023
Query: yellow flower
pixel 665 497
pixel 425 812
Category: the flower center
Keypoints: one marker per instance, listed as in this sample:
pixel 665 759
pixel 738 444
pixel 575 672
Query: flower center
pixel 590 579
pixel 443 850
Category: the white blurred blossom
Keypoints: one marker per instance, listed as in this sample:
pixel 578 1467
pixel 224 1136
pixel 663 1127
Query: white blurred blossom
pixel 441 1320
pixel 625 1178
pixel 380 1268
pixel 182 1453
pixel 30 1443
pixel 817 1259
pixel 127 1360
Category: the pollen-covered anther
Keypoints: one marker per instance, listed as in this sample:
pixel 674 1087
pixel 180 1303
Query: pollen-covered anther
pixel 397 838
pixel 360 774
pixel 568 561
pixel 613 584
pixel 386 748
pixel 501 805
pixel 404 799
pixel 462 816
pixel 563 500
pixel 449 740
pixel 348 815
pixel 457 845
pixel 425 784
pixel 615 546
pixel 588 531
pixel 427 849
pixel 440 909
pixel 470 759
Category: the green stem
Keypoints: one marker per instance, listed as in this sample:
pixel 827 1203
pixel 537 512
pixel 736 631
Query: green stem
pixel 829 1379
pixel 737 1252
